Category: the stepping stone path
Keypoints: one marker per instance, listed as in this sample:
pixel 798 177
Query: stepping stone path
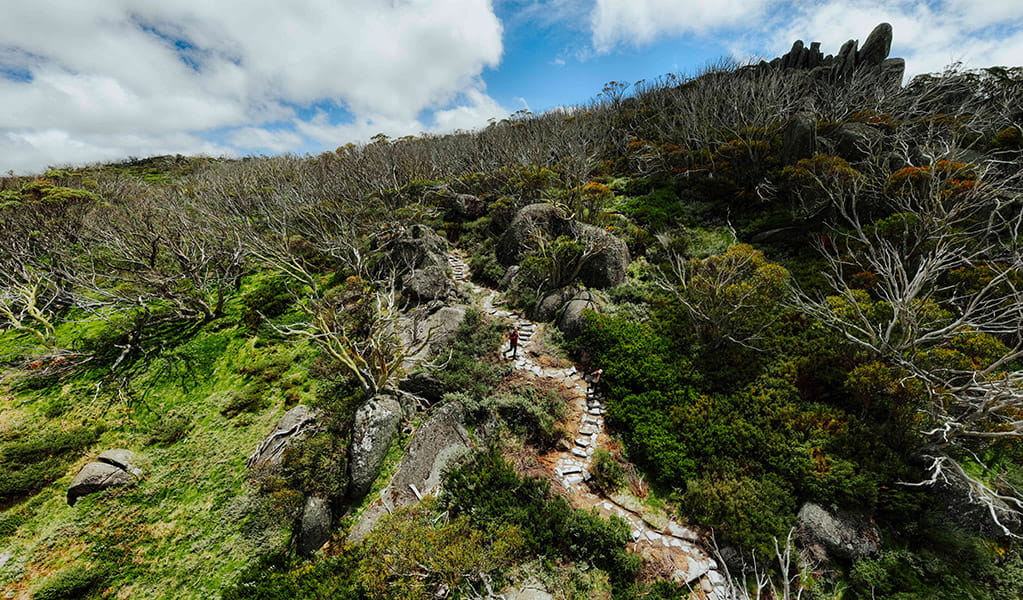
pixel 671 542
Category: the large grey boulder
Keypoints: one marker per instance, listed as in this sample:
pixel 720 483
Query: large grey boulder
pixel 607 268
pixel 95 477
pixel 437 443
pixel 314 528
pixel 571 322
pixel 877 46
pixel 295 424
pixel 550 307
pixel 610 255
pixel 429 328
pixel 532 220
pixel 429 283
pixel 375 427
pixel 126 460
pixel 528 590
pixel 841 534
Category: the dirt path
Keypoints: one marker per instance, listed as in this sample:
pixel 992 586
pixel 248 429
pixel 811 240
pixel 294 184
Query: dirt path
pixel 666 543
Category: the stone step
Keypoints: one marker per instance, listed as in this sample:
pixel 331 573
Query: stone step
pixel 579 452
pixel 583 442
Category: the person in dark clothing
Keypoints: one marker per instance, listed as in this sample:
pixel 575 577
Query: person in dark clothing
pixel 513 343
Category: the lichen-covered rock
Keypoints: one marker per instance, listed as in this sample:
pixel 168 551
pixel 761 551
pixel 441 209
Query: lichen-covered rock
pixel 296 423
pixel 430 327
pixel 843 534
pixel 549 308
pixel 610 255
pixel 314 528
pixel 436 444
pixel 536 219
pixel 376 425
pixel 571 322
pixel 607 268
pixel 428 283
pixel 424 385
pixel 95 477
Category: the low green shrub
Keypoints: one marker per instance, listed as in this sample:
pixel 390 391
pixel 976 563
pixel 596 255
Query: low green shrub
pixel 72 583
pixel 235 402
pixel 608 475
pixel 171 428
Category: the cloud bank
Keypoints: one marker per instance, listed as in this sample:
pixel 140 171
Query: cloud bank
pixel 103 79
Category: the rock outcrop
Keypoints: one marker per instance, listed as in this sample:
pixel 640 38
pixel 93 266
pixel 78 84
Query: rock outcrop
pixel 314 528
pixel 112 468
pixel 296 423
pixel 419 256
pixel 837 534
pixel 609 255
pixel 375 427
pixel 436 444
pixel 871 58
pixel 571 321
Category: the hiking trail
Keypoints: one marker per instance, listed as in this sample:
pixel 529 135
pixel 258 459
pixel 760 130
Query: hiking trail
pixel 655 536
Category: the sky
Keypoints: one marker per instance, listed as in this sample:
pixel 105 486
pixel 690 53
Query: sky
pixel 88 81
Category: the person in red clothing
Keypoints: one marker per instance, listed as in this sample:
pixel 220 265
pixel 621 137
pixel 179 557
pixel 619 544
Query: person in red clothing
pixel 513 343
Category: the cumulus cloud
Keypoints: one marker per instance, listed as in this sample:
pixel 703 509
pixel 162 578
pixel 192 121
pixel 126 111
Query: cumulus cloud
pixel 157 69
pixel 638 22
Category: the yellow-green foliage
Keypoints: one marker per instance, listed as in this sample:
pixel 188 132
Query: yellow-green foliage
pixel 413 556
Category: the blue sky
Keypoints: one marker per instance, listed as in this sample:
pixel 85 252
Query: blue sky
pixel 85 81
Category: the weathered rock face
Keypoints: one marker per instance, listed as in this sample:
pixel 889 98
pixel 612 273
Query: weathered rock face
pixel 962 510
pixel 530 590
pixel 571 322
pixel 115 470
pixel 606 269
pixel 856 141
pixel 296 423
pixel 872 58
pixel 424 385
pixel 376 425
pixel 429 327
pixel 542 218
pixel 611 255
pixel 428 283
pixel 419 256
pixel 314 529
pixel 437 443
pixel 838 534
pixel 550 307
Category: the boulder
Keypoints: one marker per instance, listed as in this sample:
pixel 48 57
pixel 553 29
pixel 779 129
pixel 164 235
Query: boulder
pixel 428 283
pixel 376 425
pixel 532 220
pixel 608 267
pixel 548 308
pixel 842 534
pixel 799 138
pixel 892 72
pixel 122 459
pixel 529 590
pixel 436 444
pixel 571 322
pixel 296 423
pixel 877 46
pixel 416 247
pixel 463 207
pixel 856 141
pixel 428 329
pixel 509 276
pixel 95 477
pixel 314 529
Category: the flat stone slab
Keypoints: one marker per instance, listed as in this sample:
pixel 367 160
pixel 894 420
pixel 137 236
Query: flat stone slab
pixel 583 441
pixel 579 452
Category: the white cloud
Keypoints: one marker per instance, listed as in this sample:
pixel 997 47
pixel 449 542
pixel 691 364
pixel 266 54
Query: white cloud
pixel 639 22
pixel 155 69
pixel 252 139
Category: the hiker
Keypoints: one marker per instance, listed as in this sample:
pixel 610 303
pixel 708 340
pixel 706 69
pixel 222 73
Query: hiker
pixel 593 379
pixel 513 341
